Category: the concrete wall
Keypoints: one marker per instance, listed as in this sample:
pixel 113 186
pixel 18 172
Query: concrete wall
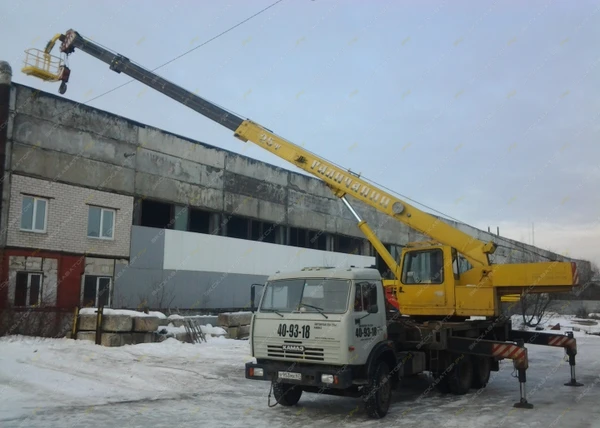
pixel 85 146
pixel 67 218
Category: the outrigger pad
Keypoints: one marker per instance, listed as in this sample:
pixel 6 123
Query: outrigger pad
pixel 523 405
pixel 573 383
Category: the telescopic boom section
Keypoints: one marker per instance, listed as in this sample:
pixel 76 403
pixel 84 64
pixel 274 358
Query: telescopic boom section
pixel 340 181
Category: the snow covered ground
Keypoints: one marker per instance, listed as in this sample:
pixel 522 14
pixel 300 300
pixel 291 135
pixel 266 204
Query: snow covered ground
pixel 67 383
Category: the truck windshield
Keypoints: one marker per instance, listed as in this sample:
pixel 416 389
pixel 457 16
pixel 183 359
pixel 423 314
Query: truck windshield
pixel 329 295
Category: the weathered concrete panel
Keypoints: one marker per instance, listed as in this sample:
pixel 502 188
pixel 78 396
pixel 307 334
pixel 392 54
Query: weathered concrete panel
pixel 71 169
pixel 78 116
pixel 159 164
pixel 251 168
pixel 313 186
pixel 163 142
pixel 176 191
pixel 313 203
pixel 32 131
pixel 275 213
pixel 309 220
pixel 247 186
pixel 240 205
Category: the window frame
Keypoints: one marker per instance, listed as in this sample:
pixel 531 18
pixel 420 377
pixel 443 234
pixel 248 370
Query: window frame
pixel 96 293
pixel 366 285
pixel 102 210
pixel 29 274
pixel 404 272
pixel 36 199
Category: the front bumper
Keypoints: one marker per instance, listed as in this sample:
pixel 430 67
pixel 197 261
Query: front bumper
pixel 308 375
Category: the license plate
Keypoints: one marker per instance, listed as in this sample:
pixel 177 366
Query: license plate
pixel 290 375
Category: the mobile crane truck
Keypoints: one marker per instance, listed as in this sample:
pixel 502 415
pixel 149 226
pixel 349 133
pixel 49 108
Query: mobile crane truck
pixel 347 331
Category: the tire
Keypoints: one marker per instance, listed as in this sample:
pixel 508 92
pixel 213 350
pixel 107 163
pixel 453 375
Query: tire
pixel 377 396
pixel 482 367
pixel 461 376
pixel 441 383
pixel 286 394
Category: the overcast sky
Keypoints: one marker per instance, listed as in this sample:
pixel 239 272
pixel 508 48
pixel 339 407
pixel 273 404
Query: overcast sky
pixel 486 111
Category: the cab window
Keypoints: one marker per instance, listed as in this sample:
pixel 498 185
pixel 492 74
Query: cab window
pixel 365 296
pixel 423 267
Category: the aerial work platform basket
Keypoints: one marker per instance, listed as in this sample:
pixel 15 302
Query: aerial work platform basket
pixel 46 67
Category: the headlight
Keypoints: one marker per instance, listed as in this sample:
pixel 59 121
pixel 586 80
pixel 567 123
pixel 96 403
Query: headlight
pixel 256 372
pixel 327 378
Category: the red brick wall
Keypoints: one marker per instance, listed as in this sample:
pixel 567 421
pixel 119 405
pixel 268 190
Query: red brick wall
pixel 69 272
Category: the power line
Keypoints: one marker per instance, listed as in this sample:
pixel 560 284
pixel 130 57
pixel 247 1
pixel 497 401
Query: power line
pixel 188 51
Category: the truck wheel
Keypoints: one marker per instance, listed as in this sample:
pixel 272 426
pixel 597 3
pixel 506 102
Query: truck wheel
pixel 461 376
pixel 377 396
pixel 286 394
pixel 481 372
pixel 441 384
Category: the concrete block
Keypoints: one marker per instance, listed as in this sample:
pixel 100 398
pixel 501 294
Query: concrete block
pixel 87 322
pixel 117 323
pixel 178 322
pixel 110 323
pixel 107 339
pixel 244 331
pixel 233 332
pixel 145 323
pixel 116 339
pixel 183 337
pixel 212 320
pixel 144 337
pixel 234 319
pixel 86 335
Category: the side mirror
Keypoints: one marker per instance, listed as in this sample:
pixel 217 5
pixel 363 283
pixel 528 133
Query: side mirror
pixel 373 309
pixel 253 295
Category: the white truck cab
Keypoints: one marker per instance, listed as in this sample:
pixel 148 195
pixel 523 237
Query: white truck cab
pixel 324 330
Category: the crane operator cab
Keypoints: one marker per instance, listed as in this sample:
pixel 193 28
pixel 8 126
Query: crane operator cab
pixel 428 278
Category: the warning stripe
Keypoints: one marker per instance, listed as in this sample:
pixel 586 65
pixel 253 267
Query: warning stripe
pixel 505 350
pixel 575 273
pixel 564 341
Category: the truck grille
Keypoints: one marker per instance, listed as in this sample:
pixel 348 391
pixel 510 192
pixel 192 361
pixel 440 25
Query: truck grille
pixel 305 352
pixel 316 351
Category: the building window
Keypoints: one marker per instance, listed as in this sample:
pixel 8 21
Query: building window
pixel 96 291
pixel 28 289
pixel 101 222
pixel 34 214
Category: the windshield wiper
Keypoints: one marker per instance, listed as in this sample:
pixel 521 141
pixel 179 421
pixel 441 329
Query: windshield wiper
pixel 315 307
pixel 272 310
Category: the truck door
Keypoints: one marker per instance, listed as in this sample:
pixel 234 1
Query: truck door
pixel 368 315
pixel 423 279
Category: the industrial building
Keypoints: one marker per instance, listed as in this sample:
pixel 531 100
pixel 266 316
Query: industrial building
pixel 101 210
